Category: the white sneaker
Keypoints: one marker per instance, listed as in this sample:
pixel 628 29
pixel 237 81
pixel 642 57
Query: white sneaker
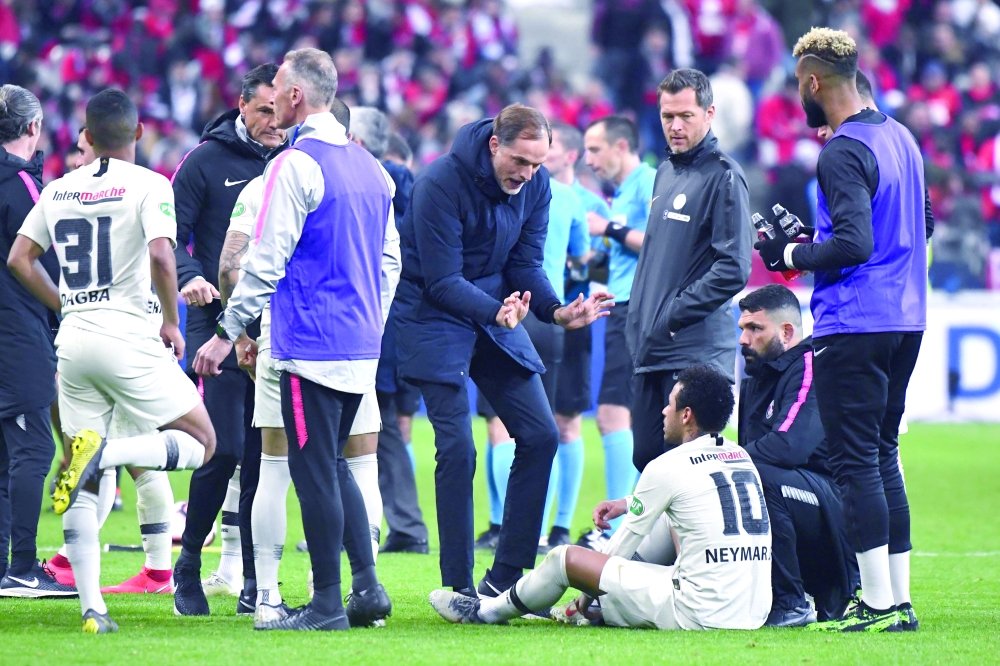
pixel 269 613
pixel 217 586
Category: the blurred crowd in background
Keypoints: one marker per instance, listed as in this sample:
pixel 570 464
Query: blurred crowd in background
pixel 434 65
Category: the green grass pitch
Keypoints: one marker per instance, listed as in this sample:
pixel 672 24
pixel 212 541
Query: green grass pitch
pixel 952 473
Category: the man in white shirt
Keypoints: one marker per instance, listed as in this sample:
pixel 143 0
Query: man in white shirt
pixel 113 227
pixel 323 231
pixel 709 491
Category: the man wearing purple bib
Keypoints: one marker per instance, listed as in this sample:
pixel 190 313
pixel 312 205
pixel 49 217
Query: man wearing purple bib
pixel 870 310
pixel 327 257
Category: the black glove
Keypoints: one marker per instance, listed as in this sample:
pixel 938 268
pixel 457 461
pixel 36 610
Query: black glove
pixel 772 250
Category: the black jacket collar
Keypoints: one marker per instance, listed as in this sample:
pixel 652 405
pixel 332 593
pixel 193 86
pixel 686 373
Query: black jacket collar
pixel 708 145
pixel 10 165
pixel 785 361
pixel 223 129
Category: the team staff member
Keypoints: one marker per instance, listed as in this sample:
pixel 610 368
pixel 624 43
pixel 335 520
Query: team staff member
pixel 612 150
pixel 781 430
pixel 695 259
pixel 870 307
pixel 475 229
pixel 323 195
pixel 28 372
pixel 206 184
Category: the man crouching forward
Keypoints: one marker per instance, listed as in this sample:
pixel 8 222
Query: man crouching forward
pixel 708 491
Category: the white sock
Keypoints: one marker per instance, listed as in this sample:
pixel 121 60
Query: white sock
pixel 876 585
pixel 84 550
pixel 167 450
pixel 268 520
pixel 899 572
pixel 231 563
pixel 539 589
pixel 155 502
pixel 365 471
pixel 106 495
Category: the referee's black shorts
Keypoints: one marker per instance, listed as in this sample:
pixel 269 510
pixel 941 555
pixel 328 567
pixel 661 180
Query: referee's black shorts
pixel 548 341
pixel 573 384
pixel 616 382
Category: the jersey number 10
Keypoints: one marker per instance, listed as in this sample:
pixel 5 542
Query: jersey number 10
pixel 82 228
pixel 742 479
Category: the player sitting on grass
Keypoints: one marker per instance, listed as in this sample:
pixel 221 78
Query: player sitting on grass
pixel 710 492
pixel 113 226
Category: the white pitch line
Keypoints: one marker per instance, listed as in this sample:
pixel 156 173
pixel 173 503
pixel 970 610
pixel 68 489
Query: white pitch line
pixel 991 553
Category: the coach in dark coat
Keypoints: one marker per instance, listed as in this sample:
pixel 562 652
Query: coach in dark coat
pixel 473 234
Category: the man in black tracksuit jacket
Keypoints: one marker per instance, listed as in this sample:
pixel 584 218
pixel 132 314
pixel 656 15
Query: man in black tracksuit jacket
pixel 27 375
pixel 780 428
pixel 695 258
pixel 233 151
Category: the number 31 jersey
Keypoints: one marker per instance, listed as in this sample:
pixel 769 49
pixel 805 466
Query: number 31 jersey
pixel 101 219
pixel 713 497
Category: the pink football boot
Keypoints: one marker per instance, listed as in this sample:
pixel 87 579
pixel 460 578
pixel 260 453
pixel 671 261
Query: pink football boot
pixel 147 581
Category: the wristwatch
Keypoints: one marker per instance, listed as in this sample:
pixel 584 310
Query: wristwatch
pixel 220 331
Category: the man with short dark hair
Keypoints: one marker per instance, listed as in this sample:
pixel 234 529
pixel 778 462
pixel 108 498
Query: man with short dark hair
pixel 696 257
pixel 206 185
pixel 869 304
pixel 475 230
pixel 612 149
pixel 781 430
pixel 721 578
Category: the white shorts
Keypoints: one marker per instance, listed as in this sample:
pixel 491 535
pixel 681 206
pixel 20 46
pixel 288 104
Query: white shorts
pixel 131 374
pixel 267 395
pixel 639 595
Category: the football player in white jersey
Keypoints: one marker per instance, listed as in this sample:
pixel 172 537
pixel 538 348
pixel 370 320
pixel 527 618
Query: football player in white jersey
pixel 710 492
pixel 112 224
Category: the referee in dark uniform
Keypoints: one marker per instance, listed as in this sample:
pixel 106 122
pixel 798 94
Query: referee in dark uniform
pixel 869 307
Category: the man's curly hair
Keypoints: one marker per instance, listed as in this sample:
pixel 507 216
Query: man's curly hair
pixel 709 394
pixel 834 47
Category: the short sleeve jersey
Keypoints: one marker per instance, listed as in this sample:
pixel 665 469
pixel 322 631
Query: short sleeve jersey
pixel 630 206
pixel 101 219
pixel 713 497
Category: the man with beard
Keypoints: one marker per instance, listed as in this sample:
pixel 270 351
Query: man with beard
pixel 781 430
pixel 870 307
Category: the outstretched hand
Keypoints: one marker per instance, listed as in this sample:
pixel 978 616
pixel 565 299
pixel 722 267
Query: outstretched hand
pixel 514 309
pixel 581 312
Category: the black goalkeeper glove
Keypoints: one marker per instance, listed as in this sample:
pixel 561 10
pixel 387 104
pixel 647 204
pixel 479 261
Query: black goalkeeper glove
pixel 772 250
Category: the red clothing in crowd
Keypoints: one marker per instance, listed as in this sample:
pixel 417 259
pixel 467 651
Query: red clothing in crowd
pixel 783 121
pixel 883 19
pixel 989 162
pixel 943 103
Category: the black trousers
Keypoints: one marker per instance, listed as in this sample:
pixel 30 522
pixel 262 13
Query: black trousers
pixel 861 382
pixel 806 550
pixel 26 452
pixel 229 399
pixel 651 394
pixel 519 399
pixel 396 482
pixel 318 421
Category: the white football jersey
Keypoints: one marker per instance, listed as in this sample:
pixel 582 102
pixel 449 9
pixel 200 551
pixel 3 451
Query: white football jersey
pixel 244 220
pixel 101 218
pixel 714 500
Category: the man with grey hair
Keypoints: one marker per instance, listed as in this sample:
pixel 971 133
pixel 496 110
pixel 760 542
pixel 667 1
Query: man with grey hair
pixel 323 195
pixel 27 375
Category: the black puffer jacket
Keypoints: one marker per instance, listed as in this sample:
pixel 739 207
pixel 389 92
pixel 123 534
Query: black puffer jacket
pixel 695 258
pixel 28 371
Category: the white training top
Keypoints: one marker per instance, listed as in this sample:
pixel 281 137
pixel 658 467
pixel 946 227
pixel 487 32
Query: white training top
pixel 714 501
pixel 101 219
pixel 243 219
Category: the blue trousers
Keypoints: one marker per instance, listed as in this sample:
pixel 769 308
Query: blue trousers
pixel 518 397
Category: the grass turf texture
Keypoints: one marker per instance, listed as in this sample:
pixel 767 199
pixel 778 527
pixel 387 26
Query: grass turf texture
pixel 951 472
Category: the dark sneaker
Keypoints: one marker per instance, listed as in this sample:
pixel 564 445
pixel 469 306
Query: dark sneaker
pixel 36 583
pixel 247 603
pixel 307 618
pixel 455 607
pixel 794 617
pixel 87 449
pixel 907 617
pixel 365 609
pixel 863 619
pixel 594 540
pixel 489 588
pixel 404 544
pixel 189 596
pixel 95 623
pixel 559 536
pixel 488 540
